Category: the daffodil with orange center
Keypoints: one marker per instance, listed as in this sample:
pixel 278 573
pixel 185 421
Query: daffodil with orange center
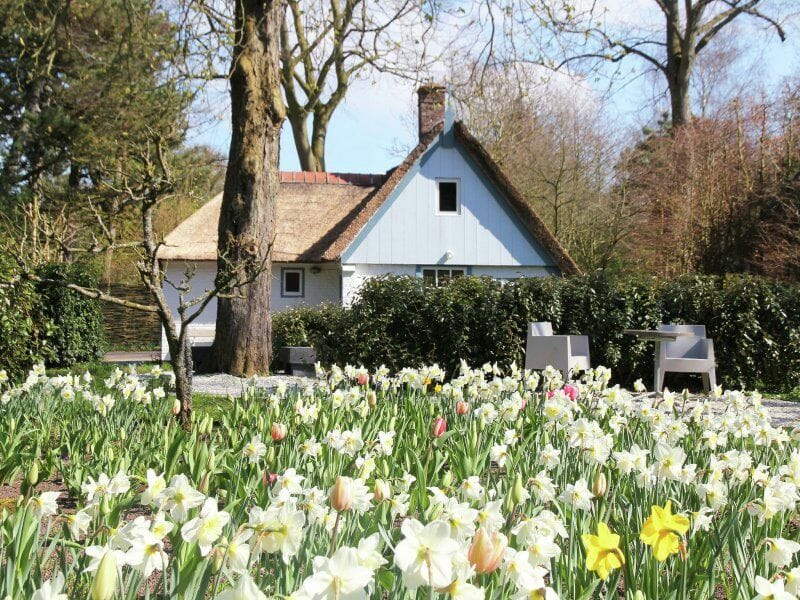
pixel 602 551
pixel 662 531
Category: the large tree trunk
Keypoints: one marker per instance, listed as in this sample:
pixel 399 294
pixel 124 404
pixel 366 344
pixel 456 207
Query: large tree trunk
pixel 242 345
pixel 680 60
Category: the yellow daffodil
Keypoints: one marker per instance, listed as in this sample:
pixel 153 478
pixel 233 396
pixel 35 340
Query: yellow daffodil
pixel 662 531
pixel 602 551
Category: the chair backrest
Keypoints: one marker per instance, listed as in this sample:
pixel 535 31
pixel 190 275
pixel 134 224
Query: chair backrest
pixel 685 346
pixel 695 330
pixel 540 328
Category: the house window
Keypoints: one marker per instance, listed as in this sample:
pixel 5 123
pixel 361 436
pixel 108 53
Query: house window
pixel 292 283
pixel 440 276
pixel 447 197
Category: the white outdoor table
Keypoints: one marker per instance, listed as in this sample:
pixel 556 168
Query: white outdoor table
pixel 657 336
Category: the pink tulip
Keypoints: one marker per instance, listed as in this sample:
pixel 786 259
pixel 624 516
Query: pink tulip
pixel 439 427
pixel 571 391
pixel 278 431
pixel 362 379
pixel 462 407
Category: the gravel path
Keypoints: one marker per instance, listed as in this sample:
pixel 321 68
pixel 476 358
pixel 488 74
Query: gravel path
pixel 782 412
pixel 223 385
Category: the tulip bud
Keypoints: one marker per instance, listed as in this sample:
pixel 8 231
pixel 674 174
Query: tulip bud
pixel 123 434
pixel 105 579
pixel 372 398
pixel 271 455
pixel 342 494
pixel 486 551
pixel 383 491
pixel 278 431
pixel 33 473
pixel 439 427
pixel 218 555
pixel 105 506
pixel 462 407
pixel 600 486
pixel 518 490
pixel 362 378
pixel 203 487
pixel 176 406
pixel 212 460
pixel 447 479
pixel 639 595
pixel 260 422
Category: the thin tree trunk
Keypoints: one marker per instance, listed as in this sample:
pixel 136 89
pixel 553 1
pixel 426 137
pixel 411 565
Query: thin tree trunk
pixel 242 345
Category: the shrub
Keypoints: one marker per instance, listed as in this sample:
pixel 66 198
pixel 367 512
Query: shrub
pixel 400 321
pixel 25 330
pixel 77 334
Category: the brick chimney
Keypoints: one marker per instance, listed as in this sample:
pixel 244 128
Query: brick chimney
pixel 431 99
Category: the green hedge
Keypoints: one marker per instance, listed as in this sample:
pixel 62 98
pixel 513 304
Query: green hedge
pixel 77 334
pixel 46 322
pixel 24 328
pixel 400 321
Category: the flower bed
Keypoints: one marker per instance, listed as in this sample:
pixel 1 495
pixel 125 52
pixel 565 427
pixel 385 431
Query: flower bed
pixel 493 485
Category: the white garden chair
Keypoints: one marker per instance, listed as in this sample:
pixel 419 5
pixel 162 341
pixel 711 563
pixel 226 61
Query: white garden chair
pixel 692 352
pixel 567 353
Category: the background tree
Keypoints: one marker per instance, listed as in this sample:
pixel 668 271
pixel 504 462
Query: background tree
pixel 557 146
pixel 562 35
pixel 327 44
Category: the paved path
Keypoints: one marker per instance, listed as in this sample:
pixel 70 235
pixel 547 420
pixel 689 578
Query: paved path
pixel 782 412
pixel 224 385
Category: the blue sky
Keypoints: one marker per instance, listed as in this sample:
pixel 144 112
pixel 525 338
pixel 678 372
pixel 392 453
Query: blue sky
pixel 369 131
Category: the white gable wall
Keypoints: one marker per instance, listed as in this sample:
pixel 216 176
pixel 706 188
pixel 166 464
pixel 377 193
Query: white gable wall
pixel 407 231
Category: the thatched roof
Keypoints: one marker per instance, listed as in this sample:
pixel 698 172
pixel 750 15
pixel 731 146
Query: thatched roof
pixel 320 214
pixel 313 210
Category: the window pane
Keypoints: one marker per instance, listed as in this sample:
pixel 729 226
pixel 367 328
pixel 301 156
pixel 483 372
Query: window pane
pixel 291 282
pixel 448 196
pixel 444 276
pixel 429 276
pixel 457 273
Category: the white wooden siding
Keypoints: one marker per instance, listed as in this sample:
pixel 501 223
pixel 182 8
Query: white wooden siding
pixel 407 231
pixel 321 287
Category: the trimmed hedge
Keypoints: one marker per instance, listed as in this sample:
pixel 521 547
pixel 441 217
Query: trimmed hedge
pixel 24 328
pixel 400 321
pixel 49 323
pixel 77 334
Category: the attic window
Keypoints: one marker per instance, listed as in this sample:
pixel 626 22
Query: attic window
pixel 292 283
pixel 448 201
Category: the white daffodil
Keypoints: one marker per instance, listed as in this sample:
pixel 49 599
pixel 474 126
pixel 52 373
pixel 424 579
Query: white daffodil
pixel 155 488
pixel 237 551
pixel 276 530
pixel 79 523
pixel 254 449
pixel 339 577
pixel 245 589
pixel 45 504
pixel 51 589
pixel 146 553
pixel 425 554
pixel 780 551
pixel 771 590
pixel 577 495
pixel 368 554
pixel 206 528
pixel 181 497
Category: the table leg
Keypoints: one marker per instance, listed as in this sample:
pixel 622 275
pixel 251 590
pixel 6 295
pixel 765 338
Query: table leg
pixel 656 366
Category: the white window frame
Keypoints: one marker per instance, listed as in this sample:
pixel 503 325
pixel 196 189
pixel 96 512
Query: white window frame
pixel 448 213
pixel 437 268
pixel 287 294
